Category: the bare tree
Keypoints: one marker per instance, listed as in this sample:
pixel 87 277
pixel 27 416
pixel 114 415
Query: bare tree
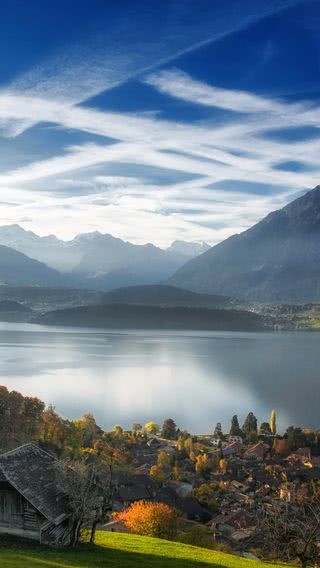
pixel 87 489
pixel 292 532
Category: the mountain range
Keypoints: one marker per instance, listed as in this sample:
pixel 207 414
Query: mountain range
pixel 277 260
pixel 95 260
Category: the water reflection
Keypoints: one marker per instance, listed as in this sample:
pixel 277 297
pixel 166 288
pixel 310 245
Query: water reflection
pixel 196 378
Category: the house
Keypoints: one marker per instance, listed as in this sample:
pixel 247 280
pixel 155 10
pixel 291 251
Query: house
pixel 235 440
pixel 31 503
pixel 232 449
pixel 257 452
pixel 300 455
pixel 234 521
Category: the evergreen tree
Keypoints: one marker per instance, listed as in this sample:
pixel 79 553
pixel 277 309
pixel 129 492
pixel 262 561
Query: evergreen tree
pixel 265 429
pixel 273 422
pixel 250 424
pixel 169 429
pixel 235 429
pixel 218 431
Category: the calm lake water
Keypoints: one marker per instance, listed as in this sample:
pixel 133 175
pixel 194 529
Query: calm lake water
pixel 195 378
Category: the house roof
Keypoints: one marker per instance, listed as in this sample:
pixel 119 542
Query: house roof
pixel 134 493
pixel 31 471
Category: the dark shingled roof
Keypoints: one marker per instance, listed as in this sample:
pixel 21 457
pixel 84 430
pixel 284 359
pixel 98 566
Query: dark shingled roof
pixel 31 471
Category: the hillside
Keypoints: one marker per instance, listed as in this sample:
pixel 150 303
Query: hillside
pixel 119 550
pixel 155 295
pixel 277 260
pixel 42 298
pixel 17 268
pixel 121 316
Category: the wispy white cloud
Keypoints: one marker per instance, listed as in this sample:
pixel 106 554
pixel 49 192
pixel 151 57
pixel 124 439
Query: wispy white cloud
pixel 178 84
pixel 136 205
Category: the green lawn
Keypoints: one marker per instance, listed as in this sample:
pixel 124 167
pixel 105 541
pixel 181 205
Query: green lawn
pixel 115 550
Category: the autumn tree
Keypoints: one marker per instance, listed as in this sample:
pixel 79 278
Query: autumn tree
pixel 203 465
pixel 235 429
pixel 118 430
pixel 54 430
pixel 157 474
pixel 151 519
pixel 152 428
pixel 20 418
pixel 164 459
pixel 169 429
pixel 273 423
pixel 206 495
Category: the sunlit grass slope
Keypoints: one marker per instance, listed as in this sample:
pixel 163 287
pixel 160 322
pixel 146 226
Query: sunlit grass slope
pixel 115 550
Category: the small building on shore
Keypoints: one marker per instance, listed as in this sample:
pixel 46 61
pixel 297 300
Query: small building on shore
pixel 31 503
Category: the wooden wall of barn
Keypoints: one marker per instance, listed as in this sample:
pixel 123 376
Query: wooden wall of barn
pixel 17 515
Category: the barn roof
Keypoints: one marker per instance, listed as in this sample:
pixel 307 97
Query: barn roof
pixel 31 471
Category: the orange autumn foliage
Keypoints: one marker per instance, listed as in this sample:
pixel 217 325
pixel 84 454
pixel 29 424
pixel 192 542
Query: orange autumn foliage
pixel 151 519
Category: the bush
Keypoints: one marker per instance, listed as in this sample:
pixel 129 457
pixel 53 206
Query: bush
pixel 150 519
pixel 198 536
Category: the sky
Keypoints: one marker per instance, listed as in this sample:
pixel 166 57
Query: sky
pixel 156 121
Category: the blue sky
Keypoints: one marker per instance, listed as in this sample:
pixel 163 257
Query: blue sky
pixel 155 121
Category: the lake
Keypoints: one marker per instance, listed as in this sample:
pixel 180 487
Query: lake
pixel 196 378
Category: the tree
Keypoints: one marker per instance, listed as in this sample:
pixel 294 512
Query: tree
pixel 118 431
pixel 250 424
pixel 164 459
pixel 296 438
pixel 88 430
pixel 157 474
pixel 218 434
pixel 205 494
pixel 53 430
pixel 292 534
pixel 169 429
pixel 136 427
pixel 152 428
pixel 265 429
pixel 203 465
pixel 87 486
pixel 273 422
pixel 151 519
pixel 235 429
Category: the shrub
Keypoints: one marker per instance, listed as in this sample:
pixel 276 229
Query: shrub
pixel 151 519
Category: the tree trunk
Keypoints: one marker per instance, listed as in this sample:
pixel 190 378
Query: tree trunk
pixel 93 531
pixel 76 534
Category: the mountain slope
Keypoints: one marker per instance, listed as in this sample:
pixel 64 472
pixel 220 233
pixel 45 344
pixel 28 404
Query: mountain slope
pixel 17 268
pixel 162 295
pixel 277 260
pixel 101 261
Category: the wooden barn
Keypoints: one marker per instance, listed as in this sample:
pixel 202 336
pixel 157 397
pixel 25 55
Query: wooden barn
pixel 31 503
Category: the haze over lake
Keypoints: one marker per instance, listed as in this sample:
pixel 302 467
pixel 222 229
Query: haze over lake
pixel 196 378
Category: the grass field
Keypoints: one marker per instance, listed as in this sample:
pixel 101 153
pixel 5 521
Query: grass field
pixel 115 550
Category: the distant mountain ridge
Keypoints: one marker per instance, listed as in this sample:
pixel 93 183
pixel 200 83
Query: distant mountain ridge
pixel 17 267
pixel 101 261
pixel 276 260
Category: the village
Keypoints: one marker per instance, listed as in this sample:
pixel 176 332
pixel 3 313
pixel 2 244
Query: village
pixel 222 485
pixel 59 477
